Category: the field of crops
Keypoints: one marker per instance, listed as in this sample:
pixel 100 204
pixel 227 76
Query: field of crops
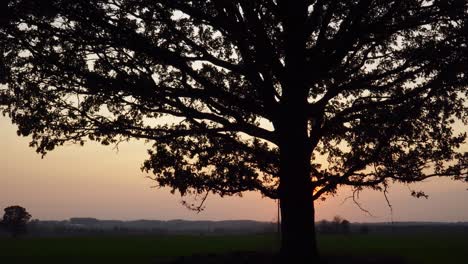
pixel 421 248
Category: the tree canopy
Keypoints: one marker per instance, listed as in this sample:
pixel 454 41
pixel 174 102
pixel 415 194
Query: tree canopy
pixel 15 220
pixel 380 84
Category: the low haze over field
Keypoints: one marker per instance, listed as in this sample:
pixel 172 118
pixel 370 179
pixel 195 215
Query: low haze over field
pixel 102 182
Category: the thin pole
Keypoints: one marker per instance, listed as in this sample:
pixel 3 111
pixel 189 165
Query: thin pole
pixel 279 220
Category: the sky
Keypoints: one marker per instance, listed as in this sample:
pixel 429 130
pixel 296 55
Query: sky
pixel 107 183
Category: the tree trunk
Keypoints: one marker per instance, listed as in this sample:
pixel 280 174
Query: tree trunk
pixel 298 242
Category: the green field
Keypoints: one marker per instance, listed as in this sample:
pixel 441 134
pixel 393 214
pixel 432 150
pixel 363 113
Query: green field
pixel 416 248
pixel 419 248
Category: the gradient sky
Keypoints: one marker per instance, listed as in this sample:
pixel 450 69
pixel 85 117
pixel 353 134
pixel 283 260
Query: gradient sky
pixel 99 181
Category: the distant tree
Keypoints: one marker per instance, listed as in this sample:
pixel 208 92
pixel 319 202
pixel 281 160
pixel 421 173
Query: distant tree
pixel 345 226
pixel 340 225
pixel 337 220
pixel 246 95
pixel 15 220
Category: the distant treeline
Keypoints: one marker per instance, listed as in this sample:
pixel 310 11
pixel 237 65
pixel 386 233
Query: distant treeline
pixel 410 227
pixel 92 226
pixel 342 226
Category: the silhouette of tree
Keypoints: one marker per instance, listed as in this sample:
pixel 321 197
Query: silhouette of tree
pixel 336 223
pixel 15 220
pixel 345 226
pixel 336 226
pixel 292 99
pixel 337 219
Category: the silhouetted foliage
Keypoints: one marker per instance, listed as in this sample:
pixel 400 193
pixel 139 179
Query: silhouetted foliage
pixel 345 226
pixel 247 95
pixel 15 220
pixel 337 226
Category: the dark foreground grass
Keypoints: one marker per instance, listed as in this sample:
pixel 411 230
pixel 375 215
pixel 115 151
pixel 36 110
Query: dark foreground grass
pixel 130 249
pixel 414 248
pixel 417 248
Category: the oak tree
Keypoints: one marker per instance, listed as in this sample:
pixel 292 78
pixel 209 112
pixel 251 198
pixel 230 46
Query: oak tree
pixel 289 98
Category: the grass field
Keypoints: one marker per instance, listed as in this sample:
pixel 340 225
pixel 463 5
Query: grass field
pixel 421 248
pixel 418 248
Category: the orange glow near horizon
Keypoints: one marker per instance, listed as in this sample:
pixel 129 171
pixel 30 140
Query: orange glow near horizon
pixel 102 182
